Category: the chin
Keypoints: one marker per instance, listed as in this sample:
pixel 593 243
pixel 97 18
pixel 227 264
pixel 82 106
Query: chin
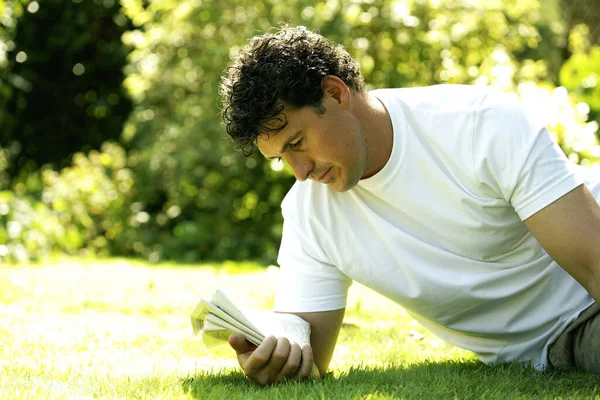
pixel 338 189
pixel 343 186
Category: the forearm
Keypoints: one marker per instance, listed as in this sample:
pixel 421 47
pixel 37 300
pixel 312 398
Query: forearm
pixel 325 327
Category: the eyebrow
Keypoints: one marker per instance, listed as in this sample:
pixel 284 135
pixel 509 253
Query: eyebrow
pixel 286 144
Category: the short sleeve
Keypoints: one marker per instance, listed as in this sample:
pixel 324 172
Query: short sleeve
pixel 517 159
pixel 307 281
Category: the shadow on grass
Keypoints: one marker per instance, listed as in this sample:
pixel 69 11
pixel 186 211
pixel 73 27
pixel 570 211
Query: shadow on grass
pixel 440 380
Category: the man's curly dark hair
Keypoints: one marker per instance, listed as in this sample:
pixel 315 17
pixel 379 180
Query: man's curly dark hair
pixel 280 70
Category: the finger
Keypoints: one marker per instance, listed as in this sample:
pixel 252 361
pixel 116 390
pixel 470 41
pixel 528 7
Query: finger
pixel 306 366
pixel 292 364
pixel 240 344
pixel 279 357
pixel 260 357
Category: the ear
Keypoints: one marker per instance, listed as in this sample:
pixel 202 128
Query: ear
pixel 335 89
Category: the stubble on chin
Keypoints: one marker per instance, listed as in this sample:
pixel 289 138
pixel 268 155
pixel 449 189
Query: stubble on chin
pixel 343 185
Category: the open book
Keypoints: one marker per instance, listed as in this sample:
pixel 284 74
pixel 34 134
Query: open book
pixel 217 318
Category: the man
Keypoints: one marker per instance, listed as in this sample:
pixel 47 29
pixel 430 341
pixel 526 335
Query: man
pixel 448 200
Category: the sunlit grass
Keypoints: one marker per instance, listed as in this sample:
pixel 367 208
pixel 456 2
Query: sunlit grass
pixel 117 329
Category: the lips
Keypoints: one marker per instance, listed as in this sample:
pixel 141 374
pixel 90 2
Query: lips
pixel 323 176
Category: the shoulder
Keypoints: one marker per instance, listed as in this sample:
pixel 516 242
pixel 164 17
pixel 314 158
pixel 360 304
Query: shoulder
pixel 504 114
pixel 441 98
pixel 485 111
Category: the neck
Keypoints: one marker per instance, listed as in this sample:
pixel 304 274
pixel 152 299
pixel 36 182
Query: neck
pixel 377 132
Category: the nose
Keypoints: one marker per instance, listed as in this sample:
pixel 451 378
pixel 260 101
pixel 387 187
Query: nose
pixel 301 165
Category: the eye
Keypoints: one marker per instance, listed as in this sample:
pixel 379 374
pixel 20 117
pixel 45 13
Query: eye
pixel 297 144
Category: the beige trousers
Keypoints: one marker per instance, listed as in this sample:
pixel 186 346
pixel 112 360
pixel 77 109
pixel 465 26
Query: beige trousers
pixel 578 347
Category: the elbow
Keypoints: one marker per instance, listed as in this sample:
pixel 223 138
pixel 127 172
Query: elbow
pixel 594 280
pixel 589 277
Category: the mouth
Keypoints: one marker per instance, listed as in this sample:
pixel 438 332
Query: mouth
pixel 324 174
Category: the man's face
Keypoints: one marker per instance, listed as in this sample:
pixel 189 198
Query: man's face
pixel 328 148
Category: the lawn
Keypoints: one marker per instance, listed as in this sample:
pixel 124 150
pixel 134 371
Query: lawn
pixel 120 329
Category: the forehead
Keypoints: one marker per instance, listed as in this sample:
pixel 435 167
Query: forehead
pixel 269 143
pixel 266 142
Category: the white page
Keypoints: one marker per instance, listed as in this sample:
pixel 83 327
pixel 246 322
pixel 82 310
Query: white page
pixel 205 308
pixel 214 323
pixel 220 300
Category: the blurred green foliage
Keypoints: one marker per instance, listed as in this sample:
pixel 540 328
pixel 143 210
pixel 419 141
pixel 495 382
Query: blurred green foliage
pixel 93 196
pixel 580 74
pixel 581 12
pixel 85 206
pixel 30 230
pixel 178 191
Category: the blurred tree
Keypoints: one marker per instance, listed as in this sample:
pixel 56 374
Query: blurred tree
pixel 9 12
pixel 573 28
pixel 576 12
pixel 203 201
pixel 66 61
pixel 580 74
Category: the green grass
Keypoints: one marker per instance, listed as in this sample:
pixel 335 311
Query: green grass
pixel 117 329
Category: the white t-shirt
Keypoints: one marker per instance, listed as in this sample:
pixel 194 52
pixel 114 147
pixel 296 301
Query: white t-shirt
pixel 439 229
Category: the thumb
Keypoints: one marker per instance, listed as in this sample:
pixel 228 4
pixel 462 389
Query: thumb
pixel 240 344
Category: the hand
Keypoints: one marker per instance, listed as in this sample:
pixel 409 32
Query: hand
pixel 275 360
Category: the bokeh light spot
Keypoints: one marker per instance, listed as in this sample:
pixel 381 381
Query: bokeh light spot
pixel 21 57
pixel 33 7
pixel 78 69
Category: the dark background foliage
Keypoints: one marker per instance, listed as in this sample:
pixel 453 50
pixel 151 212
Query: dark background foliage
pixel 69 60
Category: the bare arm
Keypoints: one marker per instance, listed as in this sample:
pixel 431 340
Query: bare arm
pixel 569 231
pixel 276 359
